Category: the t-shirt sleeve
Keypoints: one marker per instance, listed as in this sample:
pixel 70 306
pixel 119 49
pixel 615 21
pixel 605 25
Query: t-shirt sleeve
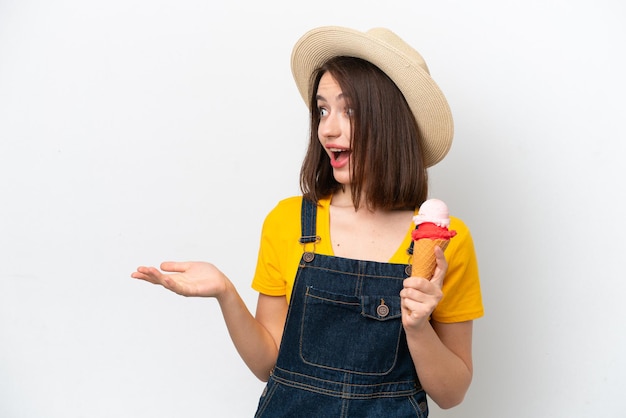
pixel 268 278
pixel 279 250
pixel 462 298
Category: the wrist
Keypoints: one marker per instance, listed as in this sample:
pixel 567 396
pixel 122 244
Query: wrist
pixel 417 328
pixel 227 293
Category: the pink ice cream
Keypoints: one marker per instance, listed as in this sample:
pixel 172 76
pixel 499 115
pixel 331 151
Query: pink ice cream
pixel 432 221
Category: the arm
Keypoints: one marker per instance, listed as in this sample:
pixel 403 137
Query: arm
pixel 256 339
pixel 442 353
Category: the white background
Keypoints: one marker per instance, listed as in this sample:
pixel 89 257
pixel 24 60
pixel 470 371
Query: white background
pixel 136 131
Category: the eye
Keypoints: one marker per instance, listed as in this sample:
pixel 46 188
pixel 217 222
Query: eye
pixel 322 111
pixel 350 112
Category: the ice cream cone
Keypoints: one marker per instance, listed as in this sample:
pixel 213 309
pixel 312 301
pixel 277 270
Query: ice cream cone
pixel 424 262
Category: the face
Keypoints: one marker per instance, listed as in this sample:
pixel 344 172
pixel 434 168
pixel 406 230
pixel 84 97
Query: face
pixel 334 130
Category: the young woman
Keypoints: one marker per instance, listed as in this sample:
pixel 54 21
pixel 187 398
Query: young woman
pixel 341 326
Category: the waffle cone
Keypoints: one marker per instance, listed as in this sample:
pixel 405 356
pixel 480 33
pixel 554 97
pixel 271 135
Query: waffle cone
pixel 424 262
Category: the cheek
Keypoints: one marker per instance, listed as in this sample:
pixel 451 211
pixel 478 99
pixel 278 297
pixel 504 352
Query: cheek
pixel 346 128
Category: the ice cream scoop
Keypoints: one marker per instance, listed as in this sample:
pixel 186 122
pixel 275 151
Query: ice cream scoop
pixel 432 221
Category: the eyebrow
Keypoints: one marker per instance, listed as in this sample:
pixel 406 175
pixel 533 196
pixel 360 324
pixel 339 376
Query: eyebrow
pixel 340 96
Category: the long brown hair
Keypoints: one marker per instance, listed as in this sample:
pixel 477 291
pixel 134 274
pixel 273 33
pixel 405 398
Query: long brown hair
pixel 388 170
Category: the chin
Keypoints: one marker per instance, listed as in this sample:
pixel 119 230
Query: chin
pixel 342 179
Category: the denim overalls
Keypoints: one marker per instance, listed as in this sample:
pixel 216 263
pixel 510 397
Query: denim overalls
pixel 343 351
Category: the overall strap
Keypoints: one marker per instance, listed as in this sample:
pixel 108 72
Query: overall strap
pixel 308 220
pixel 409 250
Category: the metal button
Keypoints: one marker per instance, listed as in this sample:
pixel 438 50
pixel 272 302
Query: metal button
pixel 308 257
pixel 382 310
pixel 408 270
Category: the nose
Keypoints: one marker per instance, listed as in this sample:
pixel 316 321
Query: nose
pixel 329 126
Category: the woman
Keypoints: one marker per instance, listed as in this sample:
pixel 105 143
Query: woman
pixel 341 328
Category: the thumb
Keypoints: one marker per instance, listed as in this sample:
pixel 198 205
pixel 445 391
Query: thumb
pixel 174 266
pixel 440 270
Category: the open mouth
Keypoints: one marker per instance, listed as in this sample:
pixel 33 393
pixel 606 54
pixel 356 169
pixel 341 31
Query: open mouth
pixel 339 156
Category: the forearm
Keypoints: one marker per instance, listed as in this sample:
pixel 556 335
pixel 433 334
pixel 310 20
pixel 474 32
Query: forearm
pixel 444 375
pixel 253 342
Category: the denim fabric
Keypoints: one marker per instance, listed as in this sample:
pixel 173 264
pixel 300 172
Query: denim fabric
pixel 343 351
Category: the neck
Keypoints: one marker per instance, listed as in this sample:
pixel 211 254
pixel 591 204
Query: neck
pixel 342 198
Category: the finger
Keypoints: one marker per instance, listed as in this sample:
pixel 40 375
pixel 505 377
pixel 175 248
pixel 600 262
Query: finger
pixel 174 266
pixel 417 303
pixel 421 290
pixel 149 274
pixel 415 308
pixel 417 283
pixel 440 270
pixel 411 296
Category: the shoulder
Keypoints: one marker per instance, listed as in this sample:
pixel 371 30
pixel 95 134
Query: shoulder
pixel 458 225
pixel 284 220
pixel 284 216
pixel 289 206
pixel 461 247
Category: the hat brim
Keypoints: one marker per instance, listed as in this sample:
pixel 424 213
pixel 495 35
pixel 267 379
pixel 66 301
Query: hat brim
pixel 425 98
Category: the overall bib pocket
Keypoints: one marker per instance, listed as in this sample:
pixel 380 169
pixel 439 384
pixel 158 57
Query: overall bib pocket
pixel 338 331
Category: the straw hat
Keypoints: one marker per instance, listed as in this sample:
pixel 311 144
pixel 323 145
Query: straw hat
pixel 404 65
